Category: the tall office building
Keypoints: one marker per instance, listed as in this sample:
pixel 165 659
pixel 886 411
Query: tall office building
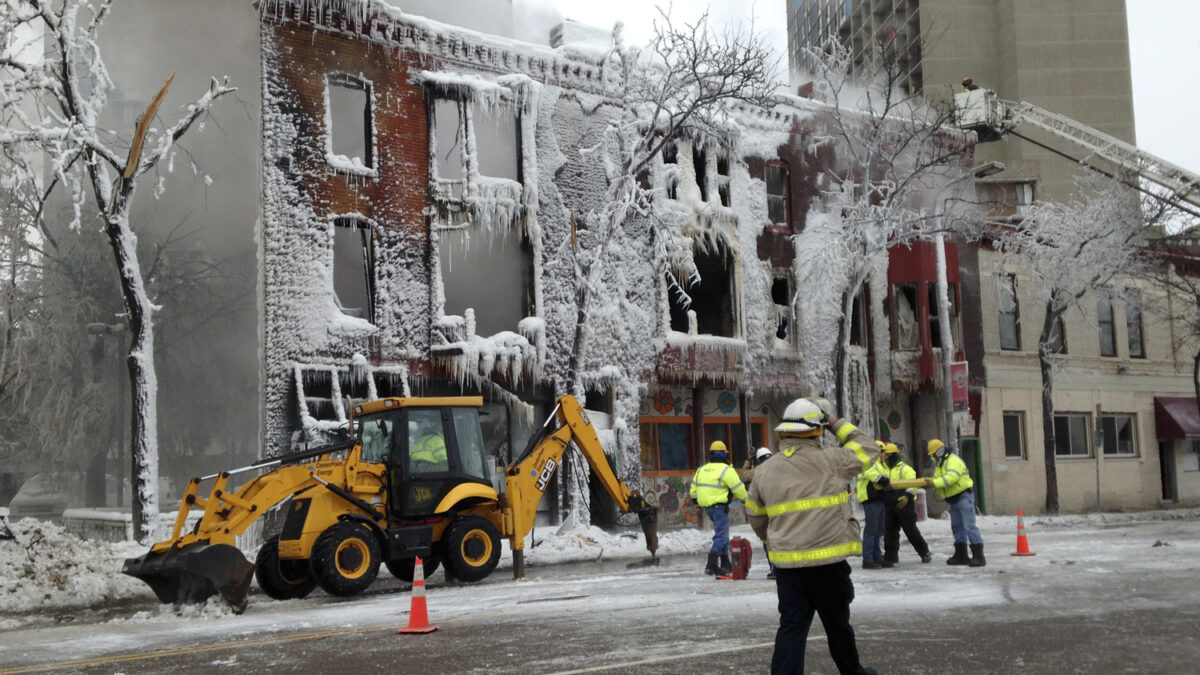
pixel 1066 56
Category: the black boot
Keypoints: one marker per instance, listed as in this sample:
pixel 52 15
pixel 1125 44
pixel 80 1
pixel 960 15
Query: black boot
pixel 977 559
pixel 960 556
pixel 713 561
pixel 726 568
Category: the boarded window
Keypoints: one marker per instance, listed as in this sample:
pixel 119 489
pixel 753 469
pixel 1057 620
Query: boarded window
pixel 1010 333
pixel 712 297
pixel 776 177
pixel 489 271
pixel 353 268
pixel 1014 434
pixel 349 120
pixel 1108 329
pixel 1133 323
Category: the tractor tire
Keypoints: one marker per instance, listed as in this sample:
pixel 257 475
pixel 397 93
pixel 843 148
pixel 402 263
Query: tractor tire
pixel 281 579
pixel 472 548
pixel 403 568
pixel 345 559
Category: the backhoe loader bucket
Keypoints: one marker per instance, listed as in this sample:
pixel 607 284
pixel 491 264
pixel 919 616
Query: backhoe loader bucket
pixel 648 516
pixel 195 573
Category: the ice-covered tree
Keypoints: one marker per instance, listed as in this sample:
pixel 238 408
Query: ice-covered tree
pixel 895 159
pixel 1072 250
pixel 53 94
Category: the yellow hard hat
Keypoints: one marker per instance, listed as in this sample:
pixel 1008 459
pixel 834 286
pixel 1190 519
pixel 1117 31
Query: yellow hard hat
pixel 718 446
pixel 881 444
pixel 890 448
pixel 933 446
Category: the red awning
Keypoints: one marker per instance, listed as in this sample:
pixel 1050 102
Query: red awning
pixel 1176 417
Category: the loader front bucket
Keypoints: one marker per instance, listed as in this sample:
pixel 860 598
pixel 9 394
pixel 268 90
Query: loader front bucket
pixel 193 574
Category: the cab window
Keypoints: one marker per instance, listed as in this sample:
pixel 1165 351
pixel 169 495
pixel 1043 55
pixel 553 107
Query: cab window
pixel 471 451
pixel 426 442
pixel 375 435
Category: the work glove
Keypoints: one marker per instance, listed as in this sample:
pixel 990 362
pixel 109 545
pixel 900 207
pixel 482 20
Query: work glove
pixel 824 404
pixel 902 502
pixel 929 483
pixel 882 482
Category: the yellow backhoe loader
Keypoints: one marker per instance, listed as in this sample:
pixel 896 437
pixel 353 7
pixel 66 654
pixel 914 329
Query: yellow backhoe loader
pixel 413 480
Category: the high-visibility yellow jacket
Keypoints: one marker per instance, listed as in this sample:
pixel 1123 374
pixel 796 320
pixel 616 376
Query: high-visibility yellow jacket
pixel 950 476
pixel 872 473
pixel 430 448
pixel 801 507
pixel 901 471
pixel 714 482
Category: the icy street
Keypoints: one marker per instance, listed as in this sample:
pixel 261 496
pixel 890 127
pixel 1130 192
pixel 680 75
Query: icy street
pixel 1106 593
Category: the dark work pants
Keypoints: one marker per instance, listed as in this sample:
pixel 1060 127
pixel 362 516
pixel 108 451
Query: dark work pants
pixel 827 591
pixel 896 519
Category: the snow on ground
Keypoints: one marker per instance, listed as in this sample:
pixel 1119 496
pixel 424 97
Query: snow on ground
pixel 47 570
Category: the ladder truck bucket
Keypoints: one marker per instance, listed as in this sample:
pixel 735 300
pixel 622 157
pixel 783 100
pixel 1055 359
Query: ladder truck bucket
pixel 195 573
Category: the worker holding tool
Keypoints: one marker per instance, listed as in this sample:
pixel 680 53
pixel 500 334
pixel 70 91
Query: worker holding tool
pixel 901 510
pixel 953 484
pixel 712 487
pixel 871 484
pixel 802 510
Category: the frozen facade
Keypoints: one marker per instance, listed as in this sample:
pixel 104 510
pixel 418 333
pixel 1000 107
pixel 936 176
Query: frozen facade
pixel 425 190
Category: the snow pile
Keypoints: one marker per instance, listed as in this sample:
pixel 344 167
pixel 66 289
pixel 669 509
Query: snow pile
pixel 46 567
pixel 588 542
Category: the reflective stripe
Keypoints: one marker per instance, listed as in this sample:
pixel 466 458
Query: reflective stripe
pixel 754 508
pixel 806 504
pixel 711 485
pixel 735 487
pixel 844 431
pixel 812 554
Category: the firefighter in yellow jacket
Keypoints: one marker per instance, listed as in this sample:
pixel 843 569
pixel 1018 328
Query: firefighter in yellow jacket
pixel 801 508
pixel 713 485
pixel 953 484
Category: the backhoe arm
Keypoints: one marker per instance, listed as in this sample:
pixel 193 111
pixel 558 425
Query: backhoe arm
pixel 528 476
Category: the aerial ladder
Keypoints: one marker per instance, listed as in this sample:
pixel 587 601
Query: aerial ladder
pixel 992 118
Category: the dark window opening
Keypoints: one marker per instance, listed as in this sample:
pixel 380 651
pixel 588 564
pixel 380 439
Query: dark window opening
pixel 712 297
pixel 1133 323
pixel 781 297
pixel 490 271
pixel 354 385
pixel 723 194
pixel 388 384
pixel 350 129
pixel 600 400
pixel 1117 432
pixel 670 153
pixel 1071 435
pixel 700 164
pixel 1108 328
pixel 354 268
pixel 318 393
pixel 935 324
pixel 672 187
pixel 723 166
pixel 776 177
pixel 1014 435
pixel 1010 319
pixel 723 180
pixel 858 320
pixel 906 336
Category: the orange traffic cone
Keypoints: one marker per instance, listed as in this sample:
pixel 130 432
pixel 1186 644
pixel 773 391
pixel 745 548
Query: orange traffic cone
pixel 418 616
pixel 1022 542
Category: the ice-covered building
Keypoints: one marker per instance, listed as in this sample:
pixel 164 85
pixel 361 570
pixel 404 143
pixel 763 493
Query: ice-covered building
pixel 426 189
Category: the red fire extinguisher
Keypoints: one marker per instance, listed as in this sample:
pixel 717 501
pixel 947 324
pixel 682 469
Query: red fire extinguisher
pixel 739 552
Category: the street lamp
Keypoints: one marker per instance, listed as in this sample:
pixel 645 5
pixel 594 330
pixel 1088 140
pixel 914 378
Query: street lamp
pixel 943 291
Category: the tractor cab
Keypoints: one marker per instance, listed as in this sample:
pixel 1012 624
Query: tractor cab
pixel 429 445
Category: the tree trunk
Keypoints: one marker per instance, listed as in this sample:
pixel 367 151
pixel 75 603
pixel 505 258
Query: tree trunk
pixel 1049 440
pixel 143 384
pixel 842 355
pixel 1196 376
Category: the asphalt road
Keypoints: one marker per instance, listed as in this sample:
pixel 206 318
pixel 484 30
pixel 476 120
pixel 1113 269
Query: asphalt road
pixel 1098 600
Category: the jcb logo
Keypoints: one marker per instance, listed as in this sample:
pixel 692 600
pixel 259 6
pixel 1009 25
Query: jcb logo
pixel 547 472
pixel 422 494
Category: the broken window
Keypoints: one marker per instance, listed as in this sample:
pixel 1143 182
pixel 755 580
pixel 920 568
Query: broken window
pixel 781 297
pixel 905 334
pixel 449 141
pixel 489 270
pixel 1108 328
pixel 858 324
pixel 496 140
pixel 723 180
pixel 349 123
pixel 935 324
pixel 1133 323
pixel 712 297
pixel 316 392
pixel 775 174
pixel 600 399
pixel 353 268
pixel 700 164
pixel 1010 333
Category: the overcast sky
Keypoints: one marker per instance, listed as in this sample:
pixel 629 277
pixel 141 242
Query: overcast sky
pixel 1164 46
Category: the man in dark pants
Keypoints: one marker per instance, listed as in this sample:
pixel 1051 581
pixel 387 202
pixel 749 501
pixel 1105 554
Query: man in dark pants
pixel 901 510
pixel 801 508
